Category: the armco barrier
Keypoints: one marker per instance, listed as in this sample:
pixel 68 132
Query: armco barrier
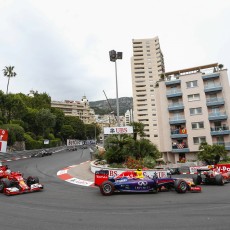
pixel 16 155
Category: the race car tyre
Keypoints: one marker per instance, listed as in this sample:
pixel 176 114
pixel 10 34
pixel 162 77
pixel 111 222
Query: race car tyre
pixel 219 179
pixel 180 186
pixel 32 180
pixel 4 183
pixel 197 179
pixel 107 188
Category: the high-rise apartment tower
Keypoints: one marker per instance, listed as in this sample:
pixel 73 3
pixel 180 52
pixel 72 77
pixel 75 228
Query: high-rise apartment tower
pixel 147 66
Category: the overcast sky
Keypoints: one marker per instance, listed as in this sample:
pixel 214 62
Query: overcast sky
pixel 61 47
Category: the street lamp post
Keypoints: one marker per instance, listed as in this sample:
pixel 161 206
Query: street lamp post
pixel 113 57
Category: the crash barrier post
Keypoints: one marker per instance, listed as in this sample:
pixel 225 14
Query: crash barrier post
pixel 101 176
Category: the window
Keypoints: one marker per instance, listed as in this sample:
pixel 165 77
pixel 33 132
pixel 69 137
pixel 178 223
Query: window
pixel 198 125
pixel 155 135
pixel 195 111
pixel 215 110
pixel 194 97
pixel 191 84
pixel 199 140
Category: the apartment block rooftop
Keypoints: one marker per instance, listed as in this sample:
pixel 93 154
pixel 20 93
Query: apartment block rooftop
pixel 205 69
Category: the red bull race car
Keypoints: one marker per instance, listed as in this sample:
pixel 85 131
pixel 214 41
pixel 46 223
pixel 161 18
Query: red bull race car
pixel 131 181
pixel 13 183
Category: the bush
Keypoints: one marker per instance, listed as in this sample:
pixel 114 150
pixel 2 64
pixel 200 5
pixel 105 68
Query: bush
pixel 149 162
pixel 132 163
pixel 15 133
pixel 30 143
pixel 115 155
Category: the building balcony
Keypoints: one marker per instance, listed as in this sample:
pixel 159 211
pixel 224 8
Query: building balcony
pixel 173 82
pixel 217 116
pixel 179 133
pixel 220 130
pixel 175 106
pixel 212 88
pixel 177 120
pixel 174 93
pixel 180 148
pixel 215 101
pixel 211 76
pixel 225 144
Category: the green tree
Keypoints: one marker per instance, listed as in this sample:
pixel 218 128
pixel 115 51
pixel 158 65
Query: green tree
pixel 138 129
pixel 29 121
pixel 92 131
pixel 78 126
pixel 118 148
pixel 14 107
pixel 67 132
pixel 9 72
pixel 45 120
pixel 211 154
pixel 60 118
pixel 2 107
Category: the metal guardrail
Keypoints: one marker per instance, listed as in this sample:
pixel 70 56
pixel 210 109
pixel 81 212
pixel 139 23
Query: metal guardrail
pixel 26 153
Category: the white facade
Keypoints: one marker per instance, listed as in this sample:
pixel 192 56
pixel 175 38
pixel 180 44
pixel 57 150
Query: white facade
pixel 79 109
pixel 147 66
pixel 194 106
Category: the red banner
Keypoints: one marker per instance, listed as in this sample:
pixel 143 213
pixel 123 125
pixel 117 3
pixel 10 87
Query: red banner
pixel 223 167
pixel 3 135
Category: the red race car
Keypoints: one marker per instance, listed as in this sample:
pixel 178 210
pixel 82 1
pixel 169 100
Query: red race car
pixel 211 175
pixel 13 183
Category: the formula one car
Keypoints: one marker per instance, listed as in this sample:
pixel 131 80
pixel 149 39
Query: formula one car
pixel 211 176
pixel 130 183
pixel 13 183
pixel 42 153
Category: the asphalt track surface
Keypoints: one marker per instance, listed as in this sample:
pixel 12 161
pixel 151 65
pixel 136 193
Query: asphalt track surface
pixel 67 206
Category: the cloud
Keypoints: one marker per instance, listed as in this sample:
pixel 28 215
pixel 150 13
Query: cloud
pixel 62 47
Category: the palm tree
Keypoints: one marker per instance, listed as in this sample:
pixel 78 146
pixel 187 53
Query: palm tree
pixel 9 72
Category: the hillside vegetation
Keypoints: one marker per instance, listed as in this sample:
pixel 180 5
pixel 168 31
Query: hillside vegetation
pixel 102 107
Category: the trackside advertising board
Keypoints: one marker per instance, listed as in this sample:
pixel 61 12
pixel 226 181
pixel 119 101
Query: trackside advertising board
pixel 223 167
pixel 118 130
pixel 3 140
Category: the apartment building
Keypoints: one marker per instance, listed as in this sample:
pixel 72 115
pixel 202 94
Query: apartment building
pixel 128 117
pixel 79 109
pixel 147 65
pixel 193 106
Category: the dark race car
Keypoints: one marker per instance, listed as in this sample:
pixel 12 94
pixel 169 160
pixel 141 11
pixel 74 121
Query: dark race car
pixel 42 153
pixel 131 183
pixel 13 183
pixel 211 176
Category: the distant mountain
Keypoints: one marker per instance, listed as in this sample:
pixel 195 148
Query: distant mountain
pixel 103 107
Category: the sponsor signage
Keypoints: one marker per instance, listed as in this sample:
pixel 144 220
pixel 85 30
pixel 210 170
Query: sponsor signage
pixel 150 173
pixel 3 140
pixel 46 142
pixel 223 167
pixel 118 130
pixel 72 142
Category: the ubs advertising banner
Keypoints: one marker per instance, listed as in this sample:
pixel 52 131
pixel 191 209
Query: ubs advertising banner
pixel 118 130
pixel 3 140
